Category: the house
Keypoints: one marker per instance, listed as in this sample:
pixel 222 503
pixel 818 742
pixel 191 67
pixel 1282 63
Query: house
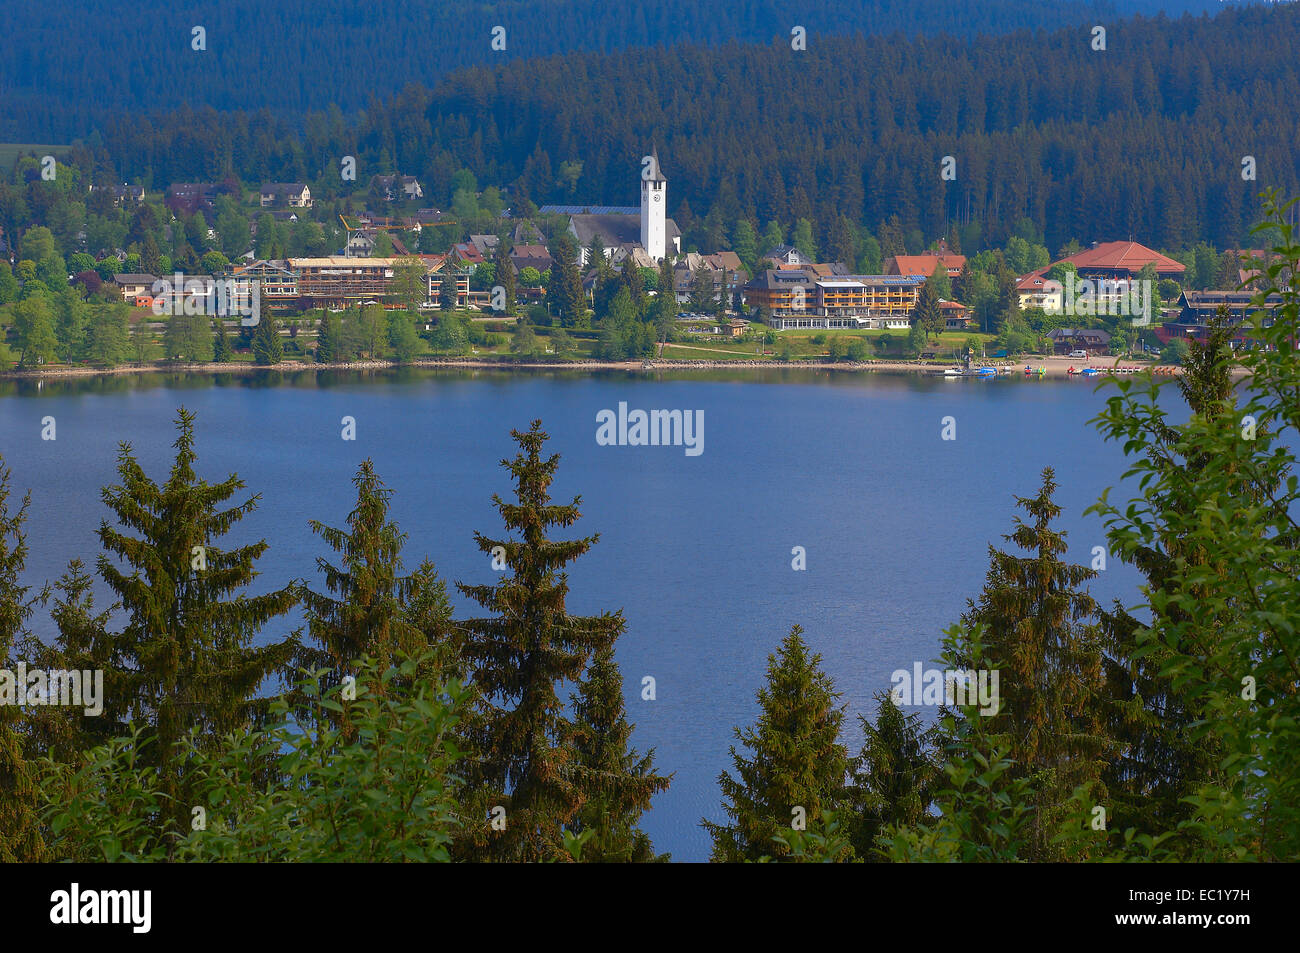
pixel 530 256
pixel 486 244
pixel 441 275
pixel 785 255
pixel 124 193
pixel 924 265
pixel 277 282
pixel 283 215
pixel 292 194
pixel 394 188
pixel 1116 260
pixel 360 243
pixel 1035 291
pixel 190 197
pixel 1197 310
pixel 735 328
pixel 466 253
pixel 719 266
pixel 136 289
pixel 1065 340
pixel 526 233
pixel 956 316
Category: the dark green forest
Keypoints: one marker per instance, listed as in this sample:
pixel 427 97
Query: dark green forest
pixel 1145 139
pixel 64 62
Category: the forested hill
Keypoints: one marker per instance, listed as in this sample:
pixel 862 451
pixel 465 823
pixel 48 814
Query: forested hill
pixel 1145 139
pixel 61 59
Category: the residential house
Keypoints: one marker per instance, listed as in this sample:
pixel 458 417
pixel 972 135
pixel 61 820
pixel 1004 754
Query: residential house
pixel 190 197
pixel 486 244
pixel 956 316
pixel 1065 340
pixel 530 256
pixel 405 188
pixel 276 280
pixel 924 265
pixel 785 255
pixel 466 253
pixel 1198 309
pixel 292 194
pixel 136 289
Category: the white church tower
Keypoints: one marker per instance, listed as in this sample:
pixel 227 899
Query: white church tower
pixel 654 198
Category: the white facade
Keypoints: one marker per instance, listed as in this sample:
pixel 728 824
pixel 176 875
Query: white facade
pixel 654 199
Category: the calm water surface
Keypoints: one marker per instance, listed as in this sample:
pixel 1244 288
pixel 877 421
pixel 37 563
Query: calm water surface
pixel 696 549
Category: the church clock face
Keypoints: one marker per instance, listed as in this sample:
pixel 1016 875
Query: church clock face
pixel 658 197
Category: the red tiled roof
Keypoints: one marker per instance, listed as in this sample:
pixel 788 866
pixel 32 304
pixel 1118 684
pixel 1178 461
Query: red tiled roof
pixel 925 264
pixel 1124 256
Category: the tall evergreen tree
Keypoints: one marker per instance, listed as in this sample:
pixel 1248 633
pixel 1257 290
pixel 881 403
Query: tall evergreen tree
pixel 363 610
pixel 82 643
pixel 267 346
pixel 622 781
pixel 20 838
pixel 1164 758
pixel 327 339
pixel 187 653
pixel 221 350
pixel 797 767
pixel 505 275
pixel 1040 635
pixel 894 777
pixel 519 654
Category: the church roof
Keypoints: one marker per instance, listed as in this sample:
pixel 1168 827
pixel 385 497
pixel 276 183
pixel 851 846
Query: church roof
pixel 589 210
pixel 620 229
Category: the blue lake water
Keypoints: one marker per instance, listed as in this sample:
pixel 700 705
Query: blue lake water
pixel 895 521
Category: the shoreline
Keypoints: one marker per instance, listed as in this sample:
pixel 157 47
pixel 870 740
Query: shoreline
pixel 1054 367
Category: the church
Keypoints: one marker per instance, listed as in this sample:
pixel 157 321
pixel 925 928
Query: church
pixel 644 234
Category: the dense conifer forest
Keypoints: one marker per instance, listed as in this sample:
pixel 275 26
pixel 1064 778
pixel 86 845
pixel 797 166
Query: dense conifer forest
pixel 1145 139
pixel 306 54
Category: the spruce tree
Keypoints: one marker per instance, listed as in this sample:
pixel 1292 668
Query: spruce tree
pixel 221 350
pixel 505 275
pixel 519 654
pixel 622 781
pixel 20 838
pixel 796 769
pixel 82 643
pixel 267 346
pixel 1164 758
pixel 363 610
pixel 187 649
pixel 1040 635
pixel 894 777
pixel 327 339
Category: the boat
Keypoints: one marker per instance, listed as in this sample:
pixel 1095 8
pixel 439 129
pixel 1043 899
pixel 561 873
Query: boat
pixel 1090 371
pixel 951 372
pixel 986 372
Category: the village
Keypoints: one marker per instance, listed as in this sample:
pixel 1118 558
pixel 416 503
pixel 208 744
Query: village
pixel 1115 297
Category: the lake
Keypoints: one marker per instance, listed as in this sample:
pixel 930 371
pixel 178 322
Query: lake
pixel 696 549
